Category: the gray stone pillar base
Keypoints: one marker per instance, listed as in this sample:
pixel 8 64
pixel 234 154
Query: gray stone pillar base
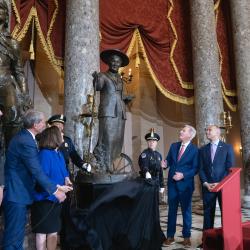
pixel 246 201
pixel 198 207
pixel 196 198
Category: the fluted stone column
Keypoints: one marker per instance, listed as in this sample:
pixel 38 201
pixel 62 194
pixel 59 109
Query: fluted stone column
pixel 241 38
pixel 206 75
pixel 81 60
pixel 206 69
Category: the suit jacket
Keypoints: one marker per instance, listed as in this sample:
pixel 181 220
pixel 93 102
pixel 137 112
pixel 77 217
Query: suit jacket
pixel 188 165
pixel 215 171
pixel 22 169
pixel 111 96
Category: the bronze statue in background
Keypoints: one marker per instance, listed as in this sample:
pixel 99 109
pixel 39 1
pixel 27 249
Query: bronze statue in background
pixel 14 98
pixel 111 112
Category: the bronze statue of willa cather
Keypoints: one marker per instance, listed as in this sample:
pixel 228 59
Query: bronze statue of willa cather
pixel 111 113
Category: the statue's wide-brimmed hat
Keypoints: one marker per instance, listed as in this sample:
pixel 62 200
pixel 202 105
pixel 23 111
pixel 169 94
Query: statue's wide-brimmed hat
pixel 106 54
pixel 57 118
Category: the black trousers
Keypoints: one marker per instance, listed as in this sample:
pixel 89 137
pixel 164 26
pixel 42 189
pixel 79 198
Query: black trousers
pixel 209 206
pixel 65 215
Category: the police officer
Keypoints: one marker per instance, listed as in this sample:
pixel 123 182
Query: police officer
pixel 150 160
pixel 67 147
pixel 69 152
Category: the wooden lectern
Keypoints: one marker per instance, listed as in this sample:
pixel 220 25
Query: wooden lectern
pixel 231 213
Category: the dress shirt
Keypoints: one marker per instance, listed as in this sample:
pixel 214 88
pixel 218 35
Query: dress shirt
pixel 34 137
pixel 185 146
pixel 214 146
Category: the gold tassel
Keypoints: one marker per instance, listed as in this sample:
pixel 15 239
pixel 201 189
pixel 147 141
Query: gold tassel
pixel 31 50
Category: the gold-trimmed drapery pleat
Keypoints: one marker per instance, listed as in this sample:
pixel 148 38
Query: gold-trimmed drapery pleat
pixel 225 92
pixel 20 31
pixel 184 84
pixel 136 39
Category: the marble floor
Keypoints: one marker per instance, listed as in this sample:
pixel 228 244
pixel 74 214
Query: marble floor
pixel 197 222
pixel 196 227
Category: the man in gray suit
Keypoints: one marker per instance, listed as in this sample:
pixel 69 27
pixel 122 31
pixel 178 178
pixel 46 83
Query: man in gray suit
pixel 111 113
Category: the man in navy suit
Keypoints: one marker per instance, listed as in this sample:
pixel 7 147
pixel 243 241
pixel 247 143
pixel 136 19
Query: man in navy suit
pixel 215 160
pixel 22 170
pixel 182 160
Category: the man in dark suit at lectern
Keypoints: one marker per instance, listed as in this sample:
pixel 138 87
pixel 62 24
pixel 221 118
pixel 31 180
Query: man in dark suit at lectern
pixel 215 160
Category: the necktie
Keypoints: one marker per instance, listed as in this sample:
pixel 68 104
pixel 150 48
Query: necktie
pixel 213 150
pixel 181 152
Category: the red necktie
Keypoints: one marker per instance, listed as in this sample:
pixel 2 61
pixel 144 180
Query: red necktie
pixel 181 152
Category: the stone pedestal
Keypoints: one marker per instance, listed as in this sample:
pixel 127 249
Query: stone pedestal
pixel 241 36
pixel 81 60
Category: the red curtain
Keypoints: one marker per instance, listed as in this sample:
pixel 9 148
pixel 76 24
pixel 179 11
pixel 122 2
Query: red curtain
pixel 224 37
pixel 161 28
pixel 119 19
pixel 49 21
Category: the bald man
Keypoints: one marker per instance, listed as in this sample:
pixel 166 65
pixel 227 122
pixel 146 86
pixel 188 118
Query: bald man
pixel 215 160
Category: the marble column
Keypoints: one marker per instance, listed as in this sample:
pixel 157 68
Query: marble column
pixel 206 69
pixel 81 60
pixel 240 18
pixel 206 76
pixel 9 6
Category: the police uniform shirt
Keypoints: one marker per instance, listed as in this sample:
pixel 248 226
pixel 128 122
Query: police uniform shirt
pixel 69 152
pixel 150 161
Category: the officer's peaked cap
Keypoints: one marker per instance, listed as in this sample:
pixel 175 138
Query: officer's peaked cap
pixel 152 136
pixel 57 118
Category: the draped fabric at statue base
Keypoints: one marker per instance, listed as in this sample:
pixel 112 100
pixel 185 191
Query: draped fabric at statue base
pixel 124 217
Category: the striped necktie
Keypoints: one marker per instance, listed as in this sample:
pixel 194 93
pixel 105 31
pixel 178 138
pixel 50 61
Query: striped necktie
pixel 181 152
